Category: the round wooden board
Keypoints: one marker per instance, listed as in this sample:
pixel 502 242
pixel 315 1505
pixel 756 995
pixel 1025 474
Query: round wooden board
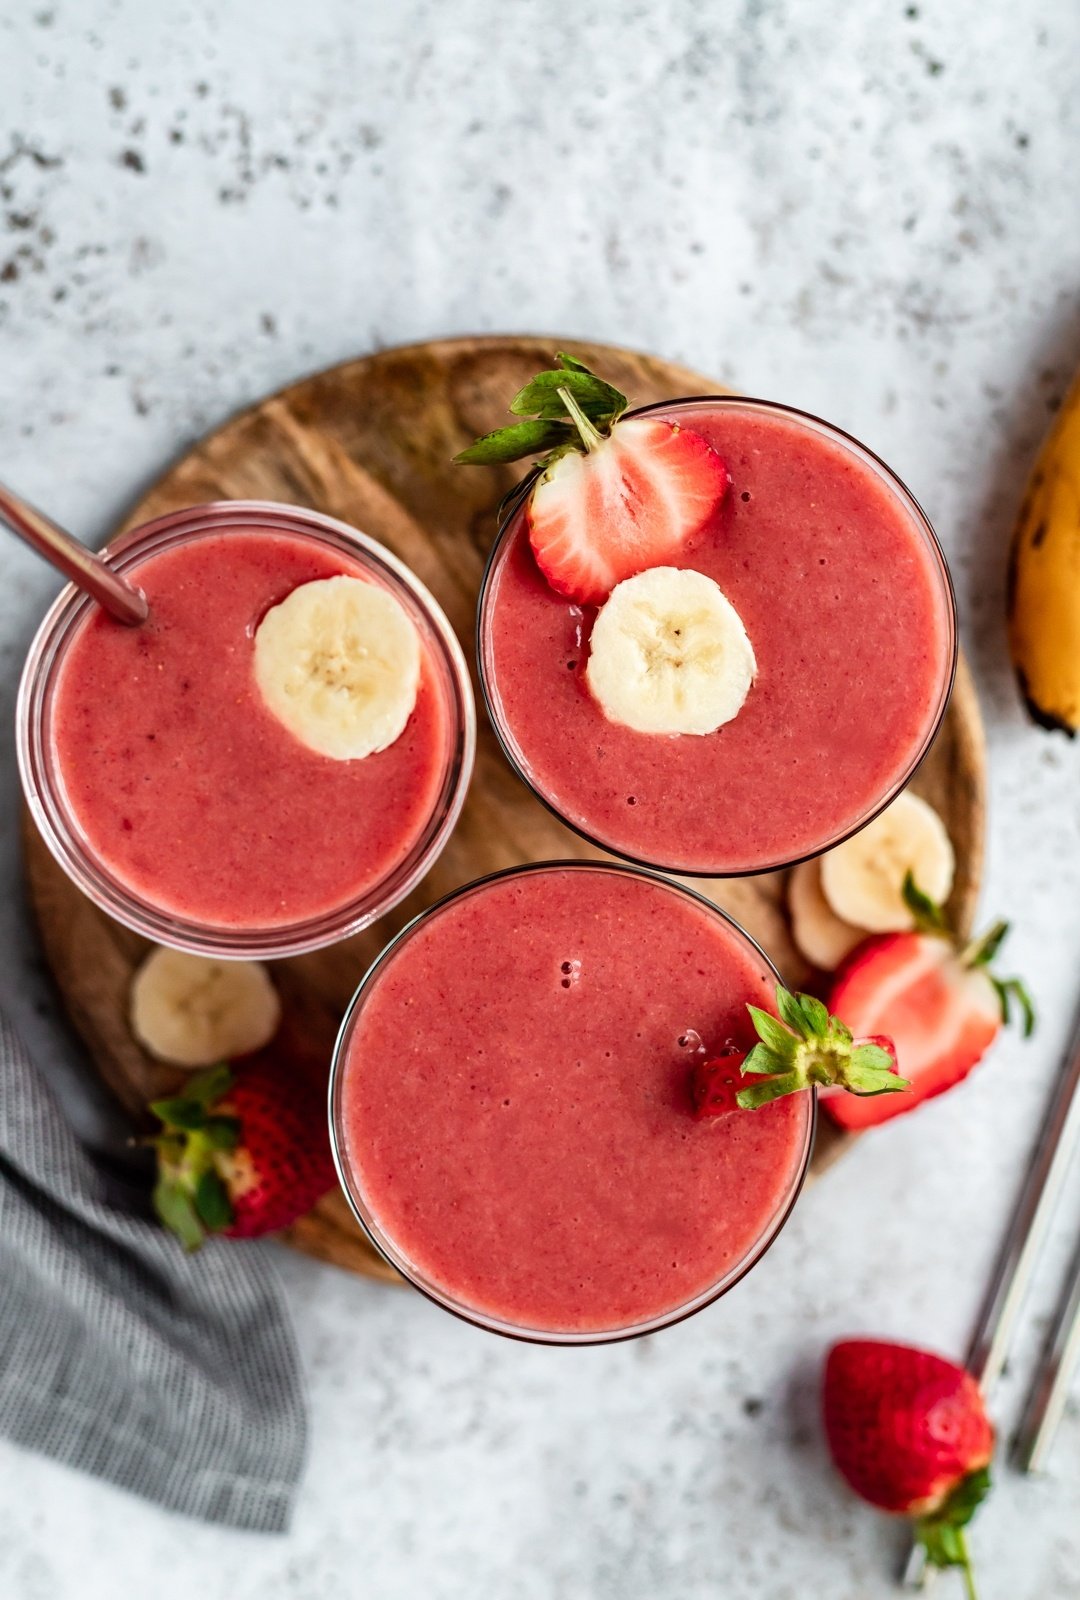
pixel 371 442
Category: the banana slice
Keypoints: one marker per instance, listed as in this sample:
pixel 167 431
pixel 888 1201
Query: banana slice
pixel 194 1012
pixel 338 662
pixel 818 932
pixel 863 879
pixel 669 654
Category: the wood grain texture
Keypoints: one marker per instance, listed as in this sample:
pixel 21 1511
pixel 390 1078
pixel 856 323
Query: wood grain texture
pixel 371 442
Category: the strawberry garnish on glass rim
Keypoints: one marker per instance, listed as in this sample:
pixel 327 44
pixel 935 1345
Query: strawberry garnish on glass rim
pixel 909 1432
pixel 934 995
pixel 801 1048
pixel 611 496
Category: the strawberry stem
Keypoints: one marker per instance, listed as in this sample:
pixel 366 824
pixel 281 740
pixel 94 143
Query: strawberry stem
pixel 966 1567
pixel 590 438
pixel 930 918
pixel 804 1046
pixel 941 1533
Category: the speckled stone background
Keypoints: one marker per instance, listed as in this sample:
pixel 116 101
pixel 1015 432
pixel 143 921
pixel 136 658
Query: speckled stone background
pixel 872 211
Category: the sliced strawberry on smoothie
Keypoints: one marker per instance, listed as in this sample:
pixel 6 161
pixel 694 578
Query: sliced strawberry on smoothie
pixel 611 498
pixel 632 501
pixel 939 1002
pixel 909 1432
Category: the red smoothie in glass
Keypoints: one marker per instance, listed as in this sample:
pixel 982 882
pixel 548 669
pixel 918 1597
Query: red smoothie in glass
pixel 512 1108
pixel 847 604
pixel 185 786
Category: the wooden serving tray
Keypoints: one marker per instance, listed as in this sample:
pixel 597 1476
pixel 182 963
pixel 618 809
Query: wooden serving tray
pixel 371 442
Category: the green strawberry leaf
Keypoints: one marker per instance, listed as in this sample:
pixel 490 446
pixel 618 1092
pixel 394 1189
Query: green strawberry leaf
pixel 872 1057
pixel 780 1041
pixel 929 916
pixel 763 1060
pixel 212 1201
pixel 514 443
pixel 1016 989
pixel 983 951
pixel 815 1017
pixel 181 1112
pixel 760 1094
pixel 941 1533
pixel 176 1210
pixel 571 409
pixel 789 1008
pixel 210 1086
pixel 541 396
pixel 220 1133
pixel 571 363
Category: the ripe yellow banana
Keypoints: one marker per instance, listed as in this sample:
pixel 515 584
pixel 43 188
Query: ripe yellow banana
pixel 1044 578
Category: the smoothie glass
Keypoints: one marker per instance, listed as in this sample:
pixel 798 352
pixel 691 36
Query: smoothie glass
pixel 847 599
pixel 304 536
pixel 740 1182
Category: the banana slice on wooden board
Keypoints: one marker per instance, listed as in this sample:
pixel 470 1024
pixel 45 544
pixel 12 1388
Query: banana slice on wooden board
pixel 863 878
pixel 193 1011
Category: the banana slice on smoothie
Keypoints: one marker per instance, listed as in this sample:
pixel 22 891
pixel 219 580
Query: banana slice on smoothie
pixel 338 663
pixel 823 937
pixel 193 1011
pixel 669 654
pixel 863 878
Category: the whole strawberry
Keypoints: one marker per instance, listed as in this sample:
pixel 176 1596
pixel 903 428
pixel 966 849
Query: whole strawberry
pixel 909 1432
pixel 242 1154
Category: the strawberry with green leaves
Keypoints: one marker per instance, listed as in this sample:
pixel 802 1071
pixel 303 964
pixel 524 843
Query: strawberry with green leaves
pixel 802 1047
pixel 909 1432
pixel 241 1154
pixel 612 496
pixel 936 997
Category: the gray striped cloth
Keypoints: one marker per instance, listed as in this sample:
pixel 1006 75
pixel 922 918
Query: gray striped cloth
pixel 173 1376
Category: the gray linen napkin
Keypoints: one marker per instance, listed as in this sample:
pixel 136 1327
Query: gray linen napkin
pixel 173 1376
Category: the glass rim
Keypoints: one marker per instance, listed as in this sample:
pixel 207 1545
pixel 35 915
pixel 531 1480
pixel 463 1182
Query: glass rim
pixel 513 502
pixel 43 786
pixel 397 1258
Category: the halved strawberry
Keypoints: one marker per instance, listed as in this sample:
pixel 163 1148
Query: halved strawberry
pixel 632 501
pixel 939 1004
pixel 611 498
pixel 243 1154
pixel 909 1432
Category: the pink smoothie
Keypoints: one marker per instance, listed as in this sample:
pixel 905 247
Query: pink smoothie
pixel 185 786
pixel 848 609
pixel 514 1102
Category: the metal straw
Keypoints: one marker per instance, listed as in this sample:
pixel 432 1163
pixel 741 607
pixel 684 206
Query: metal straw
pixel 1020 1248
pixel 1046 1402
pixel 89 572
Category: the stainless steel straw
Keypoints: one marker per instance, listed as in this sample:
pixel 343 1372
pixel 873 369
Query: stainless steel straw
pixel 1046 1402
pixel 89 572
pixel 1021 1246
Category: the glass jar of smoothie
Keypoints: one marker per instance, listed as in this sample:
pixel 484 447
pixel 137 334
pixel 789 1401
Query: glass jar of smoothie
pixel 846 599
pixel 511 1107
pixel 177 800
